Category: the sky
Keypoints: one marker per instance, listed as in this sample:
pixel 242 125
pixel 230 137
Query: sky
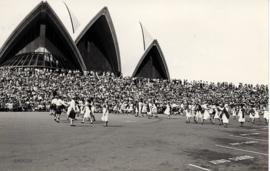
pixel 210 40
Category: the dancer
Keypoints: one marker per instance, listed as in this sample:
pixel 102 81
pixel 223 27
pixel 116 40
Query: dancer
pixel 136 108
pixel 87 112
pixel 59 106
pixel 241 115
pixel 225 115
pixel 198 114
pixel 53 107
pixel 217 114
pixel 154 109
pixel 140 106
pixel 144 108
pixel 212 113
pixel 206 114
pixel 187 110
pixel 168 110
pixel 105 113
pixel 92 107
pixel 149 109
pixel 234 109
pixel 71 111
pixel 256 115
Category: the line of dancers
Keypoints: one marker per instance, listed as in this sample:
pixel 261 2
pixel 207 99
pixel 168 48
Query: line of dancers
pixel 215 114
pixel 75 109
pixel 222 113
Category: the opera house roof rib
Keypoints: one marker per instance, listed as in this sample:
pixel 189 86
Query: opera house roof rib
pixel 98 44
pixel 41 40
pixel 152 64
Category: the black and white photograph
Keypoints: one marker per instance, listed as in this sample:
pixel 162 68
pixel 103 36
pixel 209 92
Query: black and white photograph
pixel 125 85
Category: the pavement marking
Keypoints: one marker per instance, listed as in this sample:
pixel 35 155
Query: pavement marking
pixel 249 138
pixel 254 133
pixel 233 148
pixel 220 161
pixel 237 158
pixel 199 167
pixel 245 142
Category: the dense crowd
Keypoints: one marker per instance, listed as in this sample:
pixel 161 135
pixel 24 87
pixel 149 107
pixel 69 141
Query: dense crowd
pixel 28 89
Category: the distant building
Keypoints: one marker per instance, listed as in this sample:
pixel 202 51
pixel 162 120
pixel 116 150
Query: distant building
pixel 98 44
pixel 152 64
pixel 41 40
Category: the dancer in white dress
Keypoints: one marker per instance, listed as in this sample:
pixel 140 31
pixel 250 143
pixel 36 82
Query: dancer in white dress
pixel 217 114
pixel 144 108
pixel 225 116
pixel 189 115
pixel 206 114
pixel 199 115
pixel 241 115
pixel 168 110
pixel 149 110
pixel 154 110
pixel 105 113
pixel 234 109
pixel 87 112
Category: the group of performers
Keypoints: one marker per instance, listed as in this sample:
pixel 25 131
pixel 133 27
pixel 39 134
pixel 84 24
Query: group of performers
pixel 222 113
pixel 75 109
pixel 194 111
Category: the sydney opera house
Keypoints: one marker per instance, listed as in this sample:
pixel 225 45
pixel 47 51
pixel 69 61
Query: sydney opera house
pixel 42 41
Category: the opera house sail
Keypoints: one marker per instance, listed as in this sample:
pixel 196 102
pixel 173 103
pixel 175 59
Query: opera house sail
pixel 152 64
pixel 41 40
pixel 98 44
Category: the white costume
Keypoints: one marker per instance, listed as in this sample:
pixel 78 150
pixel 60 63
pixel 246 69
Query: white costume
pixel 240 115
pixel 188 112
pixel 140 107
pixel 144 108
pixel 217 113
pixel 87 110
pixel 72 106
pixel 167 110
pixel 154 109
pixel 206 114
pixel 256 116
pixel 105 114
pixel 234 113
pixel 149 112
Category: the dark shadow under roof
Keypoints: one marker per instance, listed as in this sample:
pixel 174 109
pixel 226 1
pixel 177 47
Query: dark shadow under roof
pixel 57 37
pixel 98 44
pixel 152 64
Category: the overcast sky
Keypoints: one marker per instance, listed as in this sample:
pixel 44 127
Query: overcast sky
pixel 211 40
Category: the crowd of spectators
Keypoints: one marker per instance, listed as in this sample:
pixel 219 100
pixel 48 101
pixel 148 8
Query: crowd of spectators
pixel 29 89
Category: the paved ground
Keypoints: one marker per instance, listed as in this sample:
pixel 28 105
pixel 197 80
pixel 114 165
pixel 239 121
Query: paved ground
pixel 33 141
